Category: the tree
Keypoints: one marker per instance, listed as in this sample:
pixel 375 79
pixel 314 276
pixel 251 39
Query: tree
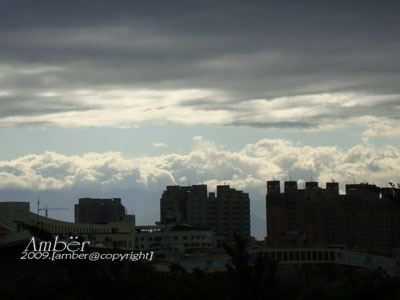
pixel 259 277
pixel 239 264
pixel 265 270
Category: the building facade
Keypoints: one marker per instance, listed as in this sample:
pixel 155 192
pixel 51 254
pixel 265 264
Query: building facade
pixel 225 213
pixel 175 239
pixel 364 218
pixel 99 211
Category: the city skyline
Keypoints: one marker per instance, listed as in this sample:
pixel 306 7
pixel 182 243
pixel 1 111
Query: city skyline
pixel 120 100
pixel 257 224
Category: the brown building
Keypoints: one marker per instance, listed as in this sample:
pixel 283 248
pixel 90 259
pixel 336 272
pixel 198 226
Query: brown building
pixel 364 218
pixel 99 211
pixel 225 213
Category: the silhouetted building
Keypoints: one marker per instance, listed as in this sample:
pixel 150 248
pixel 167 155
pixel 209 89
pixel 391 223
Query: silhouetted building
pixel 333 187
pixel 226 213
pixel 311 185
pixel 364 218
pixel 99 211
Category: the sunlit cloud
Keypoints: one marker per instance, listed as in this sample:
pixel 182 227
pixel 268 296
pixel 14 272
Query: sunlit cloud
pixel 160 145
pixel 247 168
pixel 384 129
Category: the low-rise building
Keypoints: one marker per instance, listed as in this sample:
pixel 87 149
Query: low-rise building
pixel 119 234
pixel 182 238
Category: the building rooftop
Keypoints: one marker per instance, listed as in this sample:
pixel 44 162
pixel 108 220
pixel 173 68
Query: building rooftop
pixel 4 228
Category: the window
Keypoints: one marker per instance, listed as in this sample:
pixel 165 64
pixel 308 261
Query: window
pixel 308 256
pixel 297 255
pixel 320 256
pixel 291 256
pixel 279 256
pixel 326 255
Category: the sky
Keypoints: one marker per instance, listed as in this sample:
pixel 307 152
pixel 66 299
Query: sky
pixel 121 98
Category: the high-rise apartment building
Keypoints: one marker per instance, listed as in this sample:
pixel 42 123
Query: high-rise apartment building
pixel 99 211
pixel 226 212
pixel 364 218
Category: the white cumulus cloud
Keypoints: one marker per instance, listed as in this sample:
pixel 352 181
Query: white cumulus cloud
pixel 160 145
pixel 246 169
pixel 141 180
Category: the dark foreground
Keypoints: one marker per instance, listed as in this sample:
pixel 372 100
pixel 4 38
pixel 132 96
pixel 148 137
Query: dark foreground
pixel 69 279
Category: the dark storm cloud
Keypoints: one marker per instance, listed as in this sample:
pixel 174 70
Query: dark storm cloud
pixel 245 50
pixel 26 105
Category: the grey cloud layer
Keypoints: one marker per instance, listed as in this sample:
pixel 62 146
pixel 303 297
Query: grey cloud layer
pixel 239 51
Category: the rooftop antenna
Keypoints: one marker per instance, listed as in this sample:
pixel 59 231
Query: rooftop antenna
pixel 290 177
pixel 38 210
pixel 38 205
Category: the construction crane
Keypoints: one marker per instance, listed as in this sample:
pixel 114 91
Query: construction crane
pixel 46 209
